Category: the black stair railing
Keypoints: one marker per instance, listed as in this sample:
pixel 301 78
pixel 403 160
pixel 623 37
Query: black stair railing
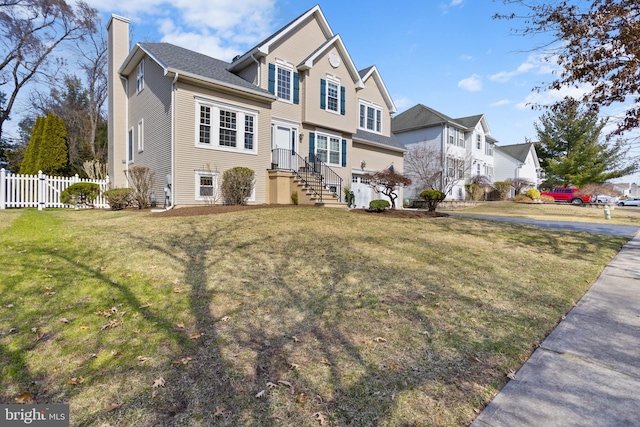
pixel 316 175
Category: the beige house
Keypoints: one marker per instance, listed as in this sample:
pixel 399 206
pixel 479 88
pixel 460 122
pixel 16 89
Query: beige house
pixel 295 109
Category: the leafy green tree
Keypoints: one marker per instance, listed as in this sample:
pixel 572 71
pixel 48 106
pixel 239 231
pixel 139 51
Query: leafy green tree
pixel 53 156
pixel 29 163
pixel 571 150
pixel 47 149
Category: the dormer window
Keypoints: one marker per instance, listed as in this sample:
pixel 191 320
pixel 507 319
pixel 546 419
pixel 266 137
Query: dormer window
pixel 140 77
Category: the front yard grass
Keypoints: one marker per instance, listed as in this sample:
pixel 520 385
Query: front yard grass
pixel 559 212
pixel 300 316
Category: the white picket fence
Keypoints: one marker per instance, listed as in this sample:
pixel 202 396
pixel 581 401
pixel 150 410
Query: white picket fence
pixel 41 191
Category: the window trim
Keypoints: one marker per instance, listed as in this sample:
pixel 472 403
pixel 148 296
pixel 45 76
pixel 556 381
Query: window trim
pixel 479 142
pixel 289 68
pixel 130 144
pixel 140 135
pixel 329 136
pixel 362 119
pixel 201 173
pixel 335 82
pixel 214 126
pixel 140 76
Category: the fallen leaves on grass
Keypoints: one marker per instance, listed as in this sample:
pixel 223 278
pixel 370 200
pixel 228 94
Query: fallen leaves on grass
pixel 112 324
pixel 293 366
pixel 219 411
pixel 10 305
pixel 225 319
pixel 84 327
pixel 180 325
pixel 112 406
pixel 107 313
pixel 261 394
pixel 75 380
pixel 288 384
pixel 24 398
pixel 379 339
pixel 159 382
pixel 64 320
pixel 511 375
pixel 148 304
pixel 195 336
pixel 143 359
pixel 177 290
pixel 183 361
pixel 320 418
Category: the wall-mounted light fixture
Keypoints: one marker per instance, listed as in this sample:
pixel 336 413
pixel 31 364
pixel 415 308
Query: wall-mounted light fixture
pixel 363 164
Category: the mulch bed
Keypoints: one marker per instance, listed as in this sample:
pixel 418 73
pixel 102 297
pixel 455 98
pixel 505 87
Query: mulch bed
pixel 220 209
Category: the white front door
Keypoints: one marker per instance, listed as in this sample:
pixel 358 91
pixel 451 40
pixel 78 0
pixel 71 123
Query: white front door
pixel 284 138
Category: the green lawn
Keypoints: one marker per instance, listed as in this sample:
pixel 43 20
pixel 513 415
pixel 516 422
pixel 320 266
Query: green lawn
pixel 299 316
pixel 559 212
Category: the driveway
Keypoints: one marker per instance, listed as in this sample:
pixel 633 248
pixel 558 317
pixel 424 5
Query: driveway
pixel 609 229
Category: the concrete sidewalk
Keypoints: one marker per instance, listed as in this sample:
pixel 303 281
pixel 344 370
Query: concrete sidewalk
pixel 587 371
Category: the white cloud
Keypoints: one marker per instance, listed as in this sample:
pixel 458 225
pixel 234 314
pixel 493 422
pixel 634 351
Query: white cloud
pixel 549 97
pixel 402 102
pixel 534 64
pixel 455 2
pixel 472 84
pixel 466 57
pixel 221 28
pixel 500 103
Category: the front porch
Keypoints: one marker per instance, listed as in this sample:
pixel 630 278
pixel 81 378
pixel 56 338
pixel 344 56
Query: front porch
pixel 312 181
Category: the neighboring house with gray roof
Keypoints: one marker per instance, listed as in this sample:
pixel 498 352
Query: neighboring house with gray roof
pixel 457 149
pixel 518 161
pixel 294 108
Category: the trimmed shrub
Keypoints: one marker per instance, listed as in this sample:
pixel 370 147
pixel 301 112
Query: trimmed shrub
pixel 474 191
pixel 237 185
pixel 118 198
pixel 547 199
pixel 532 193
pixel 80 194
pixel 433 198
pixel 522 198
pixel 294 197
pixel 503 188
pixel 378 205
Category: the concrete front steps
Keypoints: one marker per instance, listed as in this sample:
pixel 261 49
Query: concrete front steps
pixel 308 197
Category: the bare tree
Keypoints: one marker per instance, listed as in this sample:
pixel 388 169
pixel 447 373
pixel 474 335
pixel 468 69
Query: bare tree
pixel 30 31
pixel 519 183
pixel 597 44
pixel 387 182
pixel 430 168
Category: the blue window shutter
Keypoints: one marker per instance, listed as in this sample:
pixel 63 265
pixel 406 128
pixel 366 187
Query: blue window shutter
pixel 344 153
pixel 296 88
pixel 272 79
pixel 323 94
pixel 343 110
pixel 312 146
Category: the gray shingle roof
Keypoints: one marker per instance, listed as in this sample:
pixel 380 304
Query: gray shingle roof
pixel 470 121
pixel 188 61
pixel 364 71
pixel 517 151
pixel 377 139
pixel 418 116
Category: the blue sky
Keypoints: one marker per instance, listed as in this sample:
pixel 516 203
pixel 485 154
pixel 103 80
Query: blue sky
pixel 450 55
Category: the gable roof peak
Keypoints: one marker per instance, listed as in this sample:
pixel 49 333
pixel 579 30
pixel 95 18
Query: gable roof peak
pixel 263 48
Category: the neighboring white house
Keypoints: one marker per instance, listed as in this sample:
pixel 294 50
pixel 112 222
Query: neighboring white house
pixel 517 161
pixel 465 145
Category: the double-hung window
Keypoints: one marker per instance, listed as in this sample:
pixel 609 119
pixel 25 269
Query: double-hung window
pixel 478 142
pixel 283 83
pixel 333 96
pixel 206 185
pixel 328 149
pixel 140 77
pixel 370 117
pixel 488 149
pixel 225 127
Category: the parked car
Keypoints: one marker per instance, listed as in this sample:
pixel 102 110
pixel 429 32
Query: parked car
pixel 632 201
pixel 569 195
pixel 603 198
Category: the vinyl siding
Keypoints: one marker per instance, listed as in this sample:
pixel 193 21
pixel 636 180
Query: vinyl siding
pixel 294 48
pixel 190 158
pixel 372 93
pixel 152 105
pixel 311 88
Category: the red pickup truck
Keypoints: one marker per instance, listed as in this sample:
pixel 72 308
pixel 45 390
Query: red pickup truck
pixel 569 195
